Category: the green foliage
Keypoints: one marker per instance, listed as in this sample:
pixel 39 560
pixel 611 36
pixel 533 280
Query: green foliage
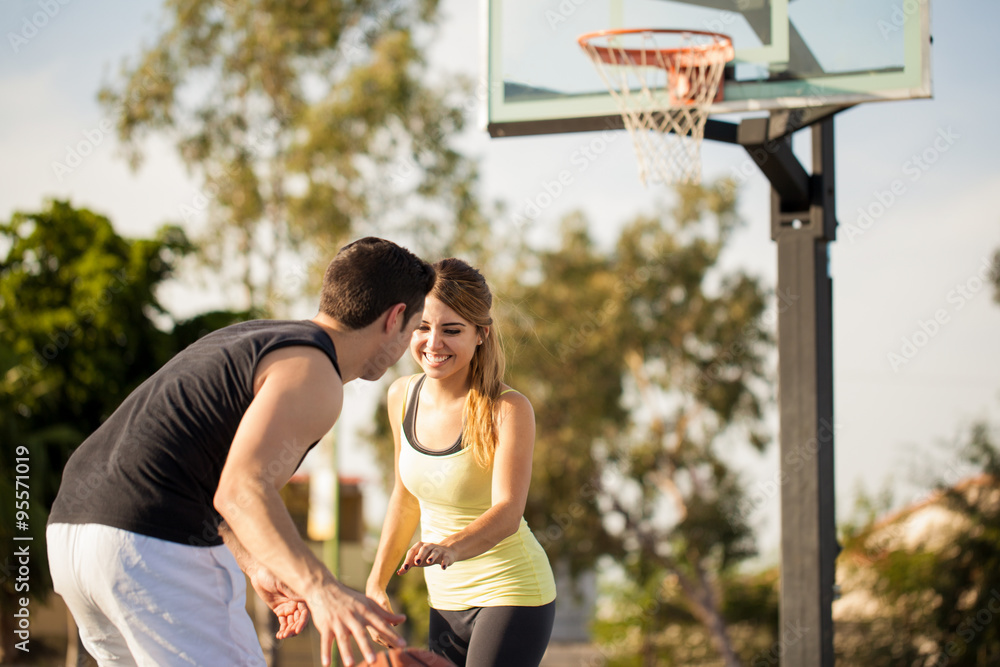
pixel 937 591
pixel 752 598
pixel 646 366
pixel 996 276
pixel 77 304
pixel 649 622
pixel 78 332
pixel 629 629
pixel 307 123
pixel 647 369
pixel 558 324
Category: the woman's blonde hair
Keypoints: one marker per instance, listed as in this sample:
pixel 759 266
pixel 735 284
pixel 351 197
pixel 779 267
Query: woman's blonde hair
pixel 463 289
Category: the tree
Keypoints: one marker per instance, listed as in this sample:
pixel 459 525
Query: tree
pixel 646 367
pixel 78 331
pixel 651 621
pixel 996 276
pixel 922 587
pixel 306 123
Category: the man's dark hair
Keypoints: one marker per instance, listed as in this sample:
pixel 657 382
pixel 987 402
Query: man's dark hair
pixel 369 276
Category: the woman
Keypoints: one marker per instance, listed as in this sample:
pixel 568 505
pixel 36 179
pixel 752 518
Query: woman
pixel 463 464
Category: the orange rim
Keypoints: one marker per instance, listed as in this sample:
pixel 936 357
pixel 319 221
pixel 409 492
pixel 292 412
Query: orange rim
pixel 694 55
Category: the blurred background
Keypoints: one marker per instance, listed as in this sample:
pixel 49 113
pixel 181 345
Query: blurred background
pixel 173 167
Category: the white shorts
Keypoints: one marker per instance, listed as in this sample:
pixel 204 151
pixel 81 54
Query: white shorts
pixel 142 601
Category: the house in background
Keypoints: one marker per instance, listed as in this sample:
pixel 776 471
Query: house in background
pixel 920 586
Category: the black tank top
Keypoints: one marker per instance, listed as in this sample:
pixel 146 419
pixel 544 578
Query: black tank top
pixel 153 467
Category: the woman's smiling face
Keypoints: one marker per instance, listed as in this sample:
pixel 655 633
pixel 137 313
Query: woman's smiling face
pixel 444 342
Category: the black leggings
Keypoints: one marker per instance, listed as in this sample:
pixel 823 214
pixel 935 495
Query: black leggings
pixel 492 636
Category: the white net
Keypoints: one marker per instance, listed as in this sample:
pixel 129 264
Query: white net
pixel 663 83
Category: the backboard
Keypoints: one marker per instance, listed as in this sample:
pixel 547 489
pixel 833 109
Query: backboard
pixel 790 54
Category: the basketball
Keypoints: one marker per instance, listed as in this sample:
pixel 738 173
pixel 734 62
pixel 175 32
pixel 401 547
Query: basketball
pixel 410 657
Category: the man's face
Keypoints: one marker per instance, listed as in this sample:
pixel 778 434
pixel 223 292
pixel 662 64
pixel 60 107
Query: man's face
pixel 395 343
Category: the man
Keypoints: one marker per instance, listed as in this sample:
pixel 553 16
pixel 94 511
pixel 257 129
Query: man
pixel 191 463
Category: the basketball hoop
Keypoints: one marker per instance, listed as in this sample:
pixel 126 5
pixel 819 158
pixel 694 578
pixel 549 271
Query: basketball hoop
pixel 663 82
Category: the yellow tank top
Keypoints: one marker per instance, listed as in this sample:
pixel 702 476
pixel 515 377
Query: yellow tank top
pixel 454 491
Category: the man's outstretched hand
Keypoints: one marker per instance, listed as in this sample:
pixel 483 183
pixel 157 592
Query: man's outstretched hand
pixel 291 610
pixel 342 614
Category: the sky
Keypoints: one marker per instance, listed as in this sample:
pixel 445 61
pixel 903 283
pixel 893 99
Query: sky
pixel 907 265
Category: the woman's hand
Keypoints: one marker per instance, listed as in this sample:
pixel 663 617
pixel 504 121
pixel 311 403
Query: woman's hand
pixel 380 598
pixel 425 554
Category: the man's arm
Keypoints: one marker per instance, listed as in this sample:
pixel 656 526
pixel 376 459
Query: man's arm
pixel 290 608
pixel 298 398
pixel 242 556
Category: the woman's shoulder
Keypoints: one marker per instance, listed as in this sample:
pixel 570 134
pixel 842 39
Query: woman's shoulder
pixel 400 383
pixel 398 389
pixel 511 399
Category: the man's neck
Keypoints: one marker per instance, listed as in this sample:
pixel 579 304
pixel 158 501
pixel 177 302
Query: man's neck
pixel 351 347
